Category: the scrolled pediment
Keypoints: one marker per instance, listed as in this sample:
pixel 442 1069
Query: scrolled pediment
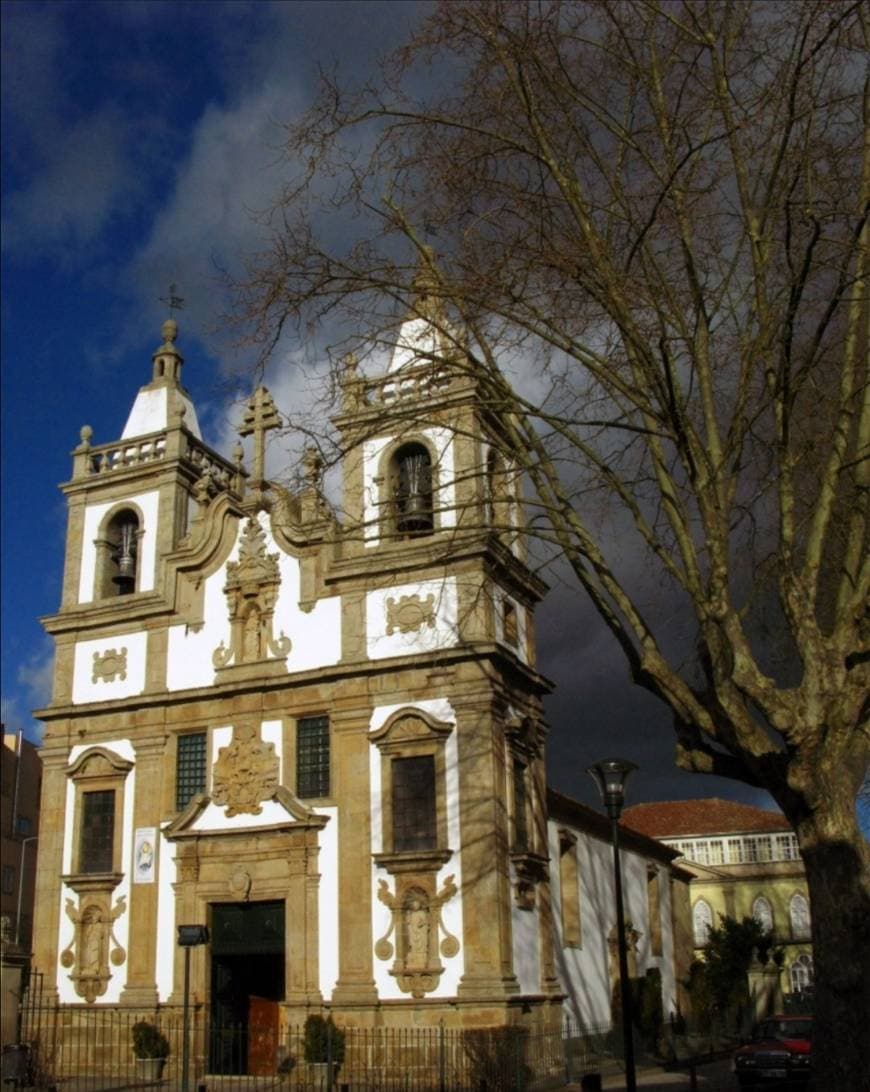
pixel 184 825
pixel 99 762
pixel 410 725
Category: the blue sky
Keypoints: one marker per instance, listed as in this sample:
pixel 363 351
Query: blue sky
pixel 139 138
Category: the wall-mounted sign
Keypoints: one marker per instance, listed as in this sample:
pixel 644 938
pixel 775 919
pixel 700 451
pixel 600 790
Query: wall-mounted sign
pixel 144 854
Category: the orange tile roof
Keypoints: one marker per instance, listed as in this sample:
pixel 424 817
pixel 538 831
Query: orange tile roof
pixel 687 818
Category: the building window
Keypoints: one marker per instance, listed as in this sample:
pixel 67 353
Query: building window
pixel 23 826
pixel 97 835
pixel 8 879
pixel 312 757
pixel 412 490
pixel 799 917
pixel 654 909
pixel 763 914
pixel 510 625
pixel 521 825
pixel 765 848
pixel 414 808
pixel 786 847
pixel 717 852
pixel 414 786
pixel 800 973
pixel 702 922
pixel 569 890
pixel 189 767
pixel 735 851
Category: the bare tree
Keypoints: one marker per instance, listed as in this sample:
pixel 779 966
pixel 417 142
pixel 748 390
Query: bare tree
pixel 659 210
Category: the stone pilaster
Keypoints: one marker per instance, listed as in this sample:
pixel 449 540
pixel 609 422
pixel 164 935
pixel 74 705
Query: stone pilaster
pixel 486 914
pixel 49 867
pixel 141 987
pixel 353 790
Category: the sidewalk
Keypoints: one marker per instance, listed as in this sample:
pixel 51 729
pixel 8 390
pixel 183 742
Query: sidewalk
pixel 651 1079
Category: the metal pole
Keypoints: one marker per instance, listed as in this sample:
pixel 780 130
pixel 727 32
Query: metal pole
pixel 624 985
pixel 24 841
pixel 185 1032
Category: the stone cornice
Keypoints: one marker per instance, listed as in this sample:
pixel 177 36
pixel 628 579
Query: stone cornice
pixel 328 675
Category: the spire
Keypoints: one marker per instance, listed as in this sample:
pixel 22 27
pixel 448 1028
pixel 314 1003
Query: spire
pixel 424 336
pixel 163 403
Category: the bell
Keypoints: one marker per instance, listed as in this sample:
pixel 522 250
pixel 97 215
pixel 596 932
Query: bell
pixel 415 494
pixel 125 558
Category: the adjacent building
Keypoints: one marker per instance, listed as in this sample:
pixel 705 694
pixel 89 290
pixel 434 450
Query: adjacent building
pixel 744 862
pixel 320 737
pixel 20 781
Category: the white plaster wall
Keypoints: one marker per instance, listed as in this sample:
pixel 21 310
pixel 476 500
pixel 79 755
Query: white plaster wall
pixel 166 923
pixel 121 927
pixel 584 972
pixel 94 513
pixel 451 912
pixel 444 497
pixel 315 635
pixel 327 903
pixel 150 413
pixel 444 634
pixel 84 688
pixel 526 933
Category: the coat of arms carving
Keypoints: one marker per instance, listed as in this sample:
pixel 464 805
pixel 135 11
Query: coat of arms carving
pixel 252 592
pixel 246 772
pixel 410 613
pixel 109 664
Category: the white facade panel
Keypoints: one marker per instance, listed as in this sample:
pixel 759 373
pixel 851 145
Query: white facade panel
pixel 315 635
pixel 442 631
pixel 88 686
pixel 451 913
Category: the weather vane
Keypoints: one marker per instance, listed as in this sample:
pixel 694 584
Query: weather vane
pixel 172 301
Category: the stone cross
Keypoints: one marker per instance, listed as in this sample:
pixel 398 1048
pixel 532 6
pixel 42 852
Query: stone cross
pixel 260 416
pixel 173 301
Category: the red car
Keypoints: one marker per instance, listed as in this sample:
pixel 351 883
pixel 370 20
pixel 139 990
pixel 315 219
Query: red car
pixel 779 1052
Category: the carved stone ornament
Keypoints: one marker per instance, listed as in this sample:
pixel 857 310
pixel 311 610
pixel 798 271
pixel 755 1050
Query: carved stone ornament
pixel 410 614
pixel 246 772
pixel 110 664
pixel 416 926
pixel 252 591
pixel 240 884
pixel 94 945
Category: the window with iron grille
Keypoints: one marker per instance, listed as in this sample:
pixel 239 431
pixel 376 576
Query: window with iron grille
pixel 521 828
pixel 414 815
pixel 189 768
pixel 97 841
pixel 312 757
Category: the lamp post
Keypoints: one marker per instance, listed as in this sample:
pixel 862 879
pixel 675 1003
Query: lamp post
pixel 24 843
pixel 189 936
pixel 610 775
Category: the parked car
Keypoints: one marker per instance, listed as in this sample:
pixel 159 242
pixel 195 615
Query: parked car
pixel 777 1053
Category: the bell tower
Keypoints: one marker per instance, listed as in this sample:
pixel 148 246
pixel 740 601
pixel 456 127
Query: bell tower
pixel 129 504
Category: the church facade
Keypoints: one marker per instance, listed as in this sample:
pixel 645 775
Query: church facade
pixel 320 737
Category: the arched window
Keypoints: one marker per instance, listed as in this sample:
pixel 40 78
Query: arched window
pixel 411 480
pixel 800 973
pixel 118 555
pixel 763 913
pixel 702 922
pixel 799 917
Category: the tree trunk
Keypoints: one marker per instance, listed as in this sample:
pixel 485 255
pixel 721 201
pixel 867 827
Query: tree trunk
pixel 839 887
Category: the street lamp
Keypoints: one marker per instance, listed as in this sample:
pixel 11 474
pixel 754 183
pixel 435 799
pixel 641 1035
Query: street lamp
pixel 24 843
pixel 189 936
pixel 610 775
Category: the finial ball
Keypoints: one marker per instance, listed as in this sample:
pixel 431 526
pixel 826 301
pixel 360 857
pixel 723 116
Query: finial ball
pixel 169 330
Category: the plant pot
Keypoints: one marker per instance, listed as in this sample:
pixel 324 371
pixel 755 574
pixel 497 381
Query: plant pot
pixel 149 1069
pixel 318 1075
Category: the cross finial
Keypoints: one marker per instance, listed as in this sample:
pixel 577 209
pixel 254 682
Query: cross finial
pixel 260 417
pixel 173 301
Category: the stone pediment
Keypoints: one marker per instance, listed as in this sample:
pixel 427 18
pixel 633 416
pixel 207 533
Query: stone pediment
pixel 291 812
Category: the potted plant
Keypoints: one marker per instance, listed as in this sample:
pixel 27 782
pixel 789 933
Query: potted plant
pixel 323 1043
pixel 151 1048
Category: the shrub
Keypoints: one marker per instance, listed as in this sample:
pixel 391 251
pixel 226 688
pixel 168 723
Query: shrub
pixel 149 1041
pixel 323 1040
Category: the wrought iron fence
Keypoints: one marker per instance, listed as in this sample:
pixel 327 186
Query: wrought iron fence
pixel 83 1048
